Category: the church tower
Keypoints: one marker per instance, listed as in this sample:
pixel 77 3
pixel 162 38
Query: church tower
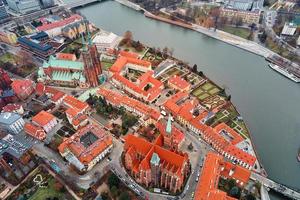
pixel 92 64
pixel 168 138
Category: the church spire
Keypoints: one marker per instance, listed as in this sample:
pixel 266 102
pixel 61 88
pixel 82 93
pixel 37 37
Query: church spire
pixel 169 125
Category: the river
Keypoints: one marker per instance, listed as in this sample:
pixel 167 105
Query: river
pixel 267 101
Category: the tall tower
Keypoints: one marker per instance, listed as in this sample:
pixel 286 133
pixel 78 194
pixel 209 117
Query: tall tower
pixel 92 64
pixel 168 138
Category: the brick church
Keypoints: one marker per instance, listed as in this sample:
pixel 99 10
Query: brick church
pixel 157 164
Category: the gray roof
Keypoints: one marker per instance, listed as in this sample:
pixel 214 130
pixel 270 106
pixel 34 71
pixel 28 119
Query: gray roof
pixel 9 118
pixel 15 145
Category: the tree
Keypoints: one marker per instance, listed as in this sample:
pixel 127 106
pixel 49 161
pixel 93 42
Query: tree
pixel 24 58
pixel 127 38
pixel 190 147
pixel 58 186
pixel 235 192
pixel 105 196
pixel 195 68
pixel 113 180
pixel 114 191
pixel 165 51
pixel 249 197
pixel 124 196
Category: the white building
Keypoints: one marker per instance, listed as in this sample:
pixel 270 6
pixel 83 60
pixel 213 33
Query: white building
pixel 106 40
pixel 289 29
pixel 11 122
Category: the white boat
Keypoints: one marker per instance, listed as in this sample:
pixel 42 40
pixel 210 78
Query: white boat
pixel 284 72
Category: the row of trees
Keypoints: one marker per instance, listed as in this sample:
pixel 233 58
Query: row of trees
pixel 115 191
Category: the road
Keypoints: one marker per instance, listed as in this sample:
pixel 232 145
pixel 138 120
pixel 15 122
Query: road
pixel 276 186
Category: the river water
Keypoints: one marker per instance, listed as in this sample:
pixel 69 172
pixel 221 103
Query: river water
pixel 267 101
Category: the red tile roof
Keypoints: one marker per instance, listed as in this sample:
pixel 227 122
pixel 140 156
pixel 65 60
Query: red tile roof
pixel 87 154
pixel 66 56
pixel 43 118
pixel 72 102
pixel 22 88
pixel 11 107
pixel 128 54
pixel 60 23
pixel 146 149
pixel 207 188
pixel 121 100
pixel 233 137
pixel 179 82
pixel 35 131
pixel 124 60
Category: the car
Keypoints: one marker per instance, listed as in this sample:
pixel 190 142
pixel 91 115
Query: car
pixel 197 179
pixel 193 194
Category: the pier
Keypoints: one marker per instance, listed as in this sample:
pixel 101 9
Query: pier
pixel 284 190
pixel 80 3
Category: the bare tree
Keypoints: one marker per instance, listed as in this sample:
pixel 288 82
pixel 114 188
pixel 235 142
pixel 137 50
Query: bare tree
pixel 24 58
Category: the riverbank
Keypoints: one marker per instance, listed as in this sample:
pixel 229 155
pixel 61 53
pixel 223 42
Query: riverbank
pixel 220 35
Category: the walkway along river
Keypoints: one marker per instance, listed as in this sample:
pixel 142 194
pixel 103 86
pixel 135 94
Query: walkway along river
pixel 268 102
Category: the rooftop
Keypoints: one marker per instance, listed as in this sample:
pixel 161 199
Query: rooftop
pixel 43 118
pixel 87 143
pixel 8 118
pixel 179 82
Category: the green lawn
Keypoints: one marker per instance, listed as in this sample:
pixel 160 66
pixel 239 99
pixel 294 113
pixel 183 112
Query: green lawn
pixel 48 192
pixel 207 86
pixel 238 31
pixel 106 65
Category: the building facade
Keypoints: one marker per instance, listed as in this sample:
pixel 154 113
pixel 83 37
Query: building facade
pixel 247 17
pixel 3 12
pixel 152 165
pixel 92 64
pixel 24 6
pixel 11 122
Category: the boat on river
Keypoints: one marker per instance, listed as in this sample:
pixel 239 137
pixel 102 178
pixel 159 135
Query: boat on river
pixel 284 72
pixel 298 156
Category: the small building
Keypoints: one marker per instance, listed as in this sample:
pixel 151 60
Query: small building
pixel 289 29
pixel 248 17
pixel 106 41
pixel 45 120
pixel 11 122
pixel 37 44
pixel 16 159
pixel 24 6
pixel 179 83
pixel 76 118
pixel 55 27
pixel 86 147
pixel 35 131
pixel 14 108
pixel 23 88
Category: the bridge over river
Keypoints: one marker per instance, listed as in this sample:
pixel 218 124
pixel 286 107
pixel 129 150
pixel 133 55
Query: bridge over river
pixel 284 190
pixel 80 3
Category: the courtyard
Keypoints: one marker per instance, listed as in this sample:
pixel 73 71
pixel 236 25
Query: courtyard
pixel 40 185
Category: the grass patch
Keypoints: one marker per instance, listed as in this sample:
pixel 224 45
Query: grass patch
pixel 203 96
pixel 49 192
pixel 8 57
pixel 207 86
pixel 238 31
pixel 214 91
pixel 106 65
